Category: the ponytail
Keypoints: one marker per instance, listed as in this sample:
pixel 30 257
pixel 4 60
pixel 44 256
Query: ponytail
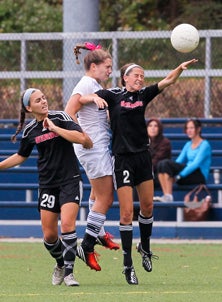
pixel 86 45
pixel 21 120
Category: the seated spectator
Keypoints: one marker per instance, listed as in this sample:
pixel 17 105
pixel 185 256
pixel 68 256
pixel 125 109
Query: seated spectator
pixel 192 165
pixel 160 146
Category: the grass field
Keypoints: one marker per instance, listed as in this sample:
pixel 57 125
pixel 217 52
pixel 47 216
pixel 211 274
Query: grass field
pixel 183 273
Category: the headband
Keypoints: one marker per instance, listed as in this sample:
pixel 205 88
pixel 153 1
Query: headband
pixel 26 96
pixel 131 67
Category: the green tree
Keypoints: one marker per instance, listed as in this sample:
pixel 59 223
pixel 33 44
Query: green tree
pixel 137 15
pixel 203 14
pixel 30 16
pixel 160 14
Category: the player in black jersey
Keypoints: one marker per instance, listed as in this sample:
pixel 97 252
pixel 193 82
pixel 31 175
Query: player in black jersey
pixel 60 184
pixel 132 159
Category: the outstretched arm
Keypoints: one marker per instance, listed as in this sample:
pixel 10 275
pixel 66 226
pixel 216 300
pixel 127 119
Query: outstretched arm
pixel 12 161
pixel 174 74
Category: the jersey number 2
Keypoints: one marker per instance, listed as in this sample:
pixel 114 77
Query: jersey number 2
pixel 126 177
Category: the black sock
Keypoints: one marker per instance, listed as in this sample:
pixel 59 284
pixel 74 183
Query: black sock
pixel 95 221
pixel 126 234
pixel 69 244
pixel 88 243
pixel 55 250
pixel 145 225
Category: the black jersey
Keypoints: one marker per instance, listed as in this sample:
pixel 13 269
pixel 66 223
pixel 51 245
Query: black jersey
pixel 127 117
pixel 57 162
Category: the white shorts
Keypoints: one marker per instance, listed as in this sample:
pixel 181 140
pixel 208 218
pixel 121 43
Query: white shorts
pixel 96 162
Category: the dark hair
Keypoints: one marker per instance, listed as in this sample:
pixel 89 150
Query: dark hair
pixel 23 111
pixel 122 72
pixel 159 124
pixel 96 55
pixel 196 122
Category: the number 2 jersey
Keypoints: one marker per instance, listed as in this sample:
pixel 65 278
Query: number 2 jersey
pixel 57 162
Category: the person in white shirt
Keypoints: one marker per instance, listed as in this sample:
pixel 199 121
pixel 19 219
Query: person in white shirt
pixel 98 162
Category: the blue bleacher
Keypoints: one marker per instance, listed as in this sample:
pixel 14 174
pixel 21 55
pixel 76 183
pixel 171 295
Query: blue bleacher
pixel 13 201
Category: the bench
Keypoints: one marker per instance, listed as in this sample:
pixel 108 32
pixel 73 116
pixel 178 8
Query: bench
pixel 23 179
pixel 21 210
pixel 19 206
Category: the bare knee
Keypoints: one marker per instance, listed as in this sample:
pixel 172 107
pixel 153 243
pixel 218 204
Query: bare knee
pixel 126 217
pixel 102 204
pixel 50 237
pixel 146 209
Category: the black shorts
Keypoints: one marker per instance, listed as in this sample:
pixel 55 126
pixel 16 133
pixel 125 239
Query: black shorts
pixel 173 168
pixel 51 199
pixel 132 169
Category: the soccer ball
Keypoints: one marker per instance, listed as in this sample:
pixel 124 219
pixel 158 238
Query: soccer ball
pixel 185 38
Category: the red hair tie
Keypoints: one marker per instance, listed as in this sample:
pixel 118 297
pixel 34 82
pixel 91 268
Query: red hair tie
pixel 91 46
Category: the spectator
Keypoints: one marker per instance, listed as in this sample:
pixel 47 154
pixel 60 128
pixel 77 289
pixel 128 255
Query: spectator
pixel 192 165
pixel 160 146
pixel 60 184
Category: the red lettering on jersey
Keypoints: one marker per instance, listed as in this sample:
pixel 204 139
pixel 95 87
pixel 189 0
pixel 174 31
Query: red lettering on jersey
pixel 131 105
pixel 45 137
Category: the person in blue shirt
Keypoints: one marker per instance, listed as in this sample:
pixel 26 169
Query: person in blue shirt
pixel 192 166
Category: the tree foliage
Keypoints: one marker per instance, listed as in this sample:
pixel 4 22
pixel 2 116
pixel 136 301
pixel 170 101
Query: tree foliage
pixel 20 16
pixel 30 16
pixel 159 14
pixel 136 15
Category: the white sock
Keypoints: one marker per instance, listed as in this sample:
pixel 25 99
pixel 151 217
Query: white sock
pixel 102 230
pixel 91 202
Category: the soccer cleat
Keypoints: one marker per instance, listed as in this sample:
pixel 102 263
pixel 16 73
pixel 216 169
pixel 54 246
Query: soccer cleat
pixel 88 257
pixel 146 257
pixel 70 280
pixel 58 275
pixel 130 275
pixel 107 242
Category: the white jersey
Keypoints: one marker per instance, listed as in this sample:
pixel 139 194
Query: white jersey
pixel 95 123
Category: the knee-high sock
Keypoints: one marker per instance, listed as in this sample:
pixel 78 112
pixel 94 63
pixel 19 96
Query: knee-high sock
pixel 102 230
pixel 145 225
pixel 55 250
pixel 94 223
pixel 126 234
pixel 69 244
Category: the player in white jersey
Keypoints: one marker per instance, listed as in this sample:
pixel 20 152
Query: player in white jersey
pixel 97 163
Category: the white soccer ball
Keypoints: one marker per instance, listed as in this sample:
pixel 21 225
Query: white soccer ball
pixel 185 38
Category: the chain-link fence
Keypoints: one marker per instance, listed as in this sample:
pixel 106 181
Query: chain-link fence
pixel 46 61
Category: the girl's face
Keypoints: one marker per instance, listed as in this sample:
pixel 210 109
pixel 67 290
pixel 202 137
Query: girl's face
pixel 153 129
pixel 134 81
pixel 102 71
pixel 38 105
pixel 191 131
